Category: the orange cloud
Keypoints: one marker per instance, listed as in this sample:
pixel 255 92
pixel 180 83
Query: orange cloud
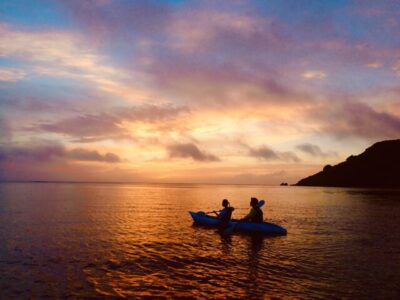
pixel 313 74
pixel 374 65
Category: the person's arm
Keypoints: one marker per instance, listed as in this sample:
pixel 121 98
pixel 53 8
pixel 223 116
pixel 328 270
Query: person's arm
pixel 223 212
pixel 217 212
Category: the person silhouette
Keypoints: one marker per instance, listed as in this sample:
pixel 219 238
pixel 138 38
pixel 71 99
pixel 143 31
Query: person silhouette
pixel 256 214
pixel 225 213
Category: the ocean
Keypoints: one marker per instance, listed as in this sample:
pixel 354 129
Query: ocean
pixel 95 240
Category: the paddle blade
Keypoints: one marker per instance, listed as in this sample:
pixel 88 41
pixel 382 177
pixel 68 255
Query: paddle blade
pixel 261 203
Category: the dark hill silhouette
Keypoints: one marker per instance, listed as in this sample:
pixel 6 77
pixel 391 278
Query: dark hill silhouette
pixel 377 166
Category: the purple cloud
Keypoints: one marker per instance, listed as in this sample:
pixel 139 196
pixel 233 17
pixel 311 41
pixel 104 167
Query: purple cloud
pixel 30 103
pixel 87 126
pixel 88 155
pixel 314 150
pixel 5 130
pixel 121 21
pixel 35 153
pixel 347 119
pixel 184 46
pixel 49 151
pixel 190 151
pixel 266 153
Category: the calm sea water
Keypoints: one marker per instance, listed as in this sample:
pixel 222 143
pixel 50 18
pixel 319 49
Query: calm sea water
pixel 104 240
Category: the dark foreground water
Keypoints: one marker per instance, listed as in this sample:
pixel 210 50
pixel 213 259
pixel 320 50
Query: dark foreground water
pixel 137 241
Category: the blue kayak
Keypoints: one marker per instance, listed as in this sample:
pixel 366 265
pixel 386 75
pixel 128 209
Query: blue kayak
pixel 201 218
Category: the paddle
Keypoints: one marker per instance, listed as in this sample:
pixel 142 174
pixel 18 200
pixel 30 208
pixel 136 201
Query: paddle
pixel 206 213
pixel 228 230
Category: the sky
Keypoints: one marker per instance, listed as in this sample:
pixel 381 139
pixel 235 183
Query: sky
pixel 247 92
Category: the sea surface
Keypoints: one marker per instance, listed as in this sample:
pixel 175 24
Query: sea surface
pixel 69 240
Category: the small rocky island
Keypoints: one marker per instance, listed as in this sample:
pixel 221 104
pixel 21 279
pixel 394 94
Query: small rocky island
pixel 378 166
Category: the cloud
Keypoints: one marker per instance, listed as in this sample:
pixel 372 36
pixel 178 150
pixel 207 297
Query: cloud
pixel 102 126
pixel 69 56
pixel 5 130
pixel 266 153
pixel 182 49
pixel 37 152
pixel 91 155
pixel 212 85
pixel 11 74
pixel 313 74
pixel 208 29
pixel 190 150
pixel 355 119
pixel 104 20
pixel 43 152
pixel 314 150
pixel 189 28
pixel 88 127
pixel 150 113
pixel 30 104
pixel 374 65
pixel 396 68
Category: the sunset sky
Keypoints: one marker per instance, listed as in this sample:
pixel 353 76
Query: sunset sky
pixel 258 92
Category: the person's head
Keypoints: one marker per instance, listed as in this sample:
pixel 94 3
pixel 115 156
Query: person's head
pixel 253 201
pixel 225 203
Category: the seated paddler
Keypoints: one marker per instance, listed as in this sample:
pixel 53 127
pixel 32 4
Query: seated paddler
pixel 225 213
pixel 256 214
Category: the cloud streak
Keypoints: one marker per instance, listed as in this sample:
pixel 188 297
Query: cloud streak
pixel 5 130
pixel 103 126
pixel 11 74
pixel 190 150
pixel 66 55
pixel 49 151
pixel 314 150
pixel 355 119
pixel 266 153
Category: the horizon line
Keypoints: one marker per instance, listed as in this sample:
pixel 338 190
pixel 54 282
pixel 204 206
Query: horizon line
pixel 131 182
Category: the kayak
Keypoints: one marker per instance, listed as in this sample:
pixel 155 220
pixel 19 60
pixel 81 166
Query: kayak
pixel 202 218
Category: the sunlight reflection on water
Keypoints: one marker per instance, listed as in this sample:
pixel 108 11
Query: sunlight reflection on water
pixel 92 240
